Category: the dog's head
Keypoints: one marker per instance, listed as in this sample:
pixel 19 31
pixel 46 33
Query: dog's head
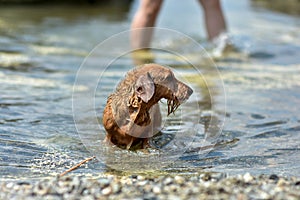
pixel 154 82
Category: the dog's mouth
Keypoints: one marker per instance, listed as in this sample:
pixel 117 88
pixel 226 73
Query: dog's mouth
pixel 173 104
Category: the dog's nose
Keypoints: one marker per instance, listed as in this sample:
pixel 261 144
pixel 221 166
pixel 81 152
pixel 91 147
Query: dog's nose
pixel 190 91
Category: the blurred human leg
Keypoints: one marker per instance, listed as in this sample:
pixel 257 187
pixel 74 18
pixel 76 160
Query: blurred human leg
pixel 145 16
pixel 214 18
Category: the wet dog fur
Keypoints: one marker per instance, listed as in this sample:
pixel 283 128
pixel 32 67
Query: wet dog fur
pixel 132 115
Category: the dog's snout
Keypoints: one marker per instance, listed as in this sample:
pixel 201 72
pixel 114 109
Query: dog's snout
pixel 190 91
pixel 183 92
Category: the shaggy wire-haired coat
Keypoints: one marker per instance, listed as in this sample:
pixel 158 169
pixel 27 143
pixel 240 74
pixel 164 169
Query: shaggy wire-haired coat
pixel 132 115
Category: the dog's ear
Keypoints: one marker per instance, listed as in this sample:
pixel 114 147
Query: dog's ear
pixel 144 87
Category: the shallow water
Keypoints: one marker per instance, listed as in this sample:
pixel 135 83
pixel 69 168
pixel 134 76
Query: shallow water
pixel 41 49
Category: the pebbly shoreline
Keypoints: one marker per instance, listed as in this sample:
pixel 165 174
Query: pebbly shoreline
pixel 201 186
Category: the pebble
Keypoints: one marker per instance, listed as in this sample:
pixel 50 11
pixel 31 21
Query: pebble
pixel 247 178
pixel 281 182
pixel 274 177
pixel 116 188
pixel 9 185
pixel 201 186
pixel 106 191
pixel 179 180
pixel 142 183
pixel 140 178
pixel 168 181
pixel 156 190
pixel 89 197
pixel 103 182
pixel 205 177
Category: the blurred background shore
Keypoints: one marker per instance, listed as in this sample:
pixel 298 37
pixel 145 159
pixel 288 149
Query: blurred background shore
pixel 288 6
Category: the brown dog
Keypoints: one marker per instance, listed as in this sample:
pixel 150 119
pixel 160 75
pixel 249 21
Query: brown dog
pixel 132 115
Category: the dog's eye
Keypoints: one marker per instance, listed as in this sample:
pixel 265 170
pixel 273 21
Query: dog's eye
pixel 139 89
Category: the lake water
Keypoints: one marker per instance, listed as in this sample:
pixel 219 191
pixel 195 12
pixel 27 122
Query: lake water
pixel 42 49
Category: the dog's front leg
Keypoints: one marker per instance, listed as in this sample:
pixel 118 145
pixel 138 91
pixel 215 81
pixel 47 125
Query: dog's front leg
pixel 129 144
pixel 124 130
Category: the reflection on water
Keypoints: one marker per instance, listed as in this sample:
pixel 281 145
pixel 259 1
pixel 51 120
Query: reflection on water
pixel 40 53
